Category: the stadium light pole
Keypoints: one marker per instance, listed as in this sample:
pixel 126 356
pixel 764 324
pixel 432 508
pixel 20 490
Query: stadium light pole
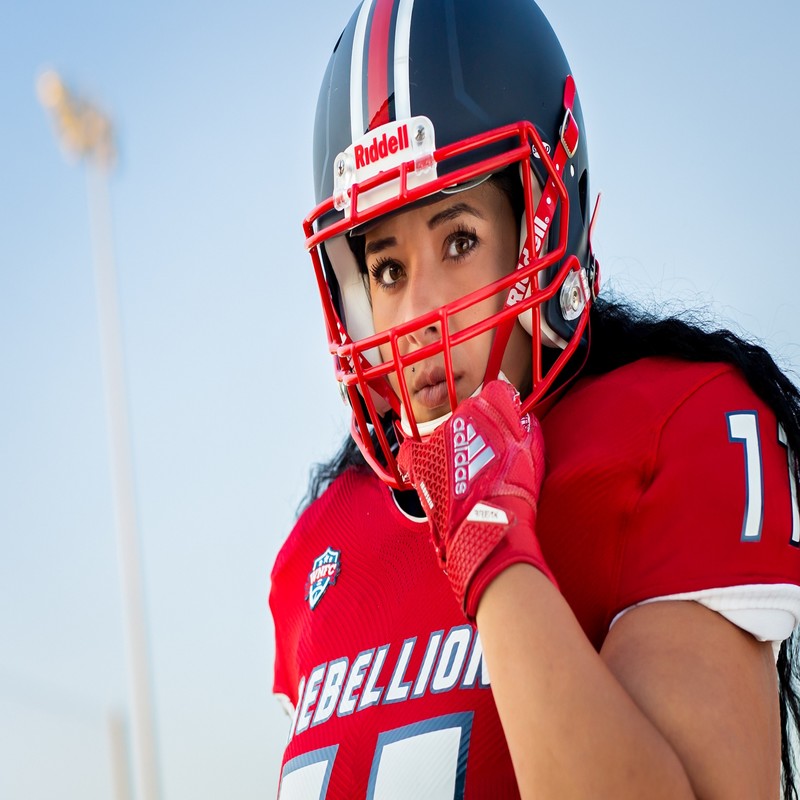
pixel 85 133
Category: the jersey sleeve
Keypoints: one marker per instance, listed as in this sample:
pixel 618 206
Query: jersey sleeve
pixel 717 508
pixel 286 600
pixel 284 684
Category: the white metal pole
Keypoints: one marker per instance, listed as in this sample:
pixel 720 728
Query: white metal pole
pixel 118 749
pixel 142 720
pixel 85 132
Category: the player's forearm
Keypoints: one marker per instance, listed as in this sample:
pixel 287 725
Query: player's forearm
pixel 572 729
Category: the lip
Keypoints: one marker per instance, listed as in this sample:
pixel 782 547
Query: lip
pixel 430 388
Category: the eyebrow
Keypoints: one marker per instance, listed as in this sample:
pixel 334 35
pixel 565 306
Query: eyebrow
pixel 451 212
pixel 379 244
pixel 445 215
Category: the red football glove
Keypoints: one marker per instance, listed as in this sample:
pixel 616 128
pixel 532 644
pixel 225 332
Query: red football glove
pixel 478 477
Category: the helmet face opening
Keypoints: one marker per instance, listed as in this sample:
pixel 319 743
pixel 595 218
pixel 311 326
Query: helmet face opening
pixel 402 162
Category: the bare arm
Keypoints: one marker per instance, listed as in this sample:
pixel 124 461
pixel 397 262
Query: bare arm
pixel 679 703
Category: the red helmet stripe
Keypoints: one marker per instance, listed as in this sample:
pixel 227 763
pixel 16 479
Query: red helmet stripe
pixel 378 73
pixel 379 65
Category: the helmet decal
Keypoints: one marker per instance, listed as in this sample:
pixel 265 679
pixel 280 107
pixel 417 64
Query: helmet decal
pixel 379 83
pixel 380 150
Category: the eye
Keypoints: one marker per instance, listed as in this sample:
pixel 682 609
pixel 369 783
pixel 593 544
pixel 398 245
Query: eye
pixel 386 272
pixel 460 243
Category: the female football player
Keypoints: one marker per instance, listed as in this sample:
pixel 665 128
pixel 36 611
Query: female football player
pixel 561 554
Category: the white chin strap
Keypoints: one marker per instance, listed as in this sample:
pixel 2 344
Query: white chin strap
pixel 427 428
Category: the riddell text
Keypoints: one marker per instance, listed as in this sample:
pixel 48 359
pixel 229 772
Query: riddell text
pixel 380 147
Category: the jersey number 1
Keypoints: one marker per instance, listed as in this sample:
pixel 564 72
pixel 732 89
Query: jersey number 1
pixel 743 427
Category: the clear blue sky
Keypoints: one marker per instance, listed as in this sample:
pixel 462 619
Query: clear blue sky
pixel 691 109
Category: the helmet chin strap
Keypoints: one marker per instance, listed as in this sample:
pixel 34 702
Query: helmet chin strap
pixel 428 427
pixel 569 135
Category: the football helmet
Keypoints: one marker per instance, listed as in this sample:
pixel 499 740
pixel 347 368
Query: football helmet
pixel 423 98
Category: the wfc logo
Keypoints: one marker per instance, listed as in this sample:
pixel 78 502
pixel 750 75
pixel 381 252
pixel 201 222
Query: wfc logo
pixel 324 573
pixel 470 454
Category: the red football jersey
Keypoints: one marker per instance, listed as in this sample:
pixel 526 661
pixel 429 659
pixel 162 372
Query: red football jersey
pixel 386 676
pixel 663 477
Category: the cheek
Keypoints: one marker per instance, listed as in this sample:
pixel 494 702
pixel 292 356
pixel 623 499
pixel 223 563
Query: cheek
pixel 470 359
pixel 386 355
pixel 480 311
pixel 387 309
pixel 379 311
pixel 516 364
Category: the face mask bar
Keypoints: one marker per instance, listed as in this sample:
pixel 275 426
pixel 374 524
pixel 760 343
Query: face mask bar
pixel 365 385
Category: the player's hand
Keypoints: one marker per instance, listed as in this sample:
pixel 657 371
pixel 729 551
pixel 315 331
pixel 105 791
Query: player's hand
pixel 478 477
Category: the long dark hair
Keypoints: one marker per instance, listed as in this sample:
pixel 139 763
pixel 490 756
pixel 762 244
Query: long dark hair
pixel 621 334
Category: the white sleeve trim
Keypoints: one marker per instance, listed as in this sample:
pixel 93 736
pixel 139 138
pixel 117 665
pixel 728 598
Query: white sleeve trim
pixel 768 611
pixel 286 703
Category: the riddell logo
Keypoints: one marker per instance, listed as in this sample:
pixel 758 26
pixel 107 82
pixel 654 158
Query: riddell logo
pixel 518 292
pixel 470 454
pixel 381 147
pixel 539 232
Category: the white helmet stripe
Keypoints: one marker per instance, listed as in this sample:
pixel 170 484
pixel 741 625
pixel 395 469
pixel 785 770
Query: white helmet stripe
pixel 402 92
pixel 357 73
pixel 402 39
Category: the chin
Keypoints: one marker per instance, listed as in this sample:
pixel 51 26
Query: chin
pixel 429 414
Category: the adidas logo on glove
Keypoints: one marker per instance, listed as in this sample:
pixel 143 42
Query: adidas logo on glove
pixel 470 454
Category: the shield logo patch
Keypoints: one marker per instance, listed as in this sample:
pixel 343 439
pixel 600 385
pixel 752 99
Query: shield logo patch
pixel 323 574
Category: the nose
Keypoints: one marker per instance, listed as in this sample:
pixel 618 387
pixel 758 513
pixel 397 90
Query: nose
pixel 423 295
